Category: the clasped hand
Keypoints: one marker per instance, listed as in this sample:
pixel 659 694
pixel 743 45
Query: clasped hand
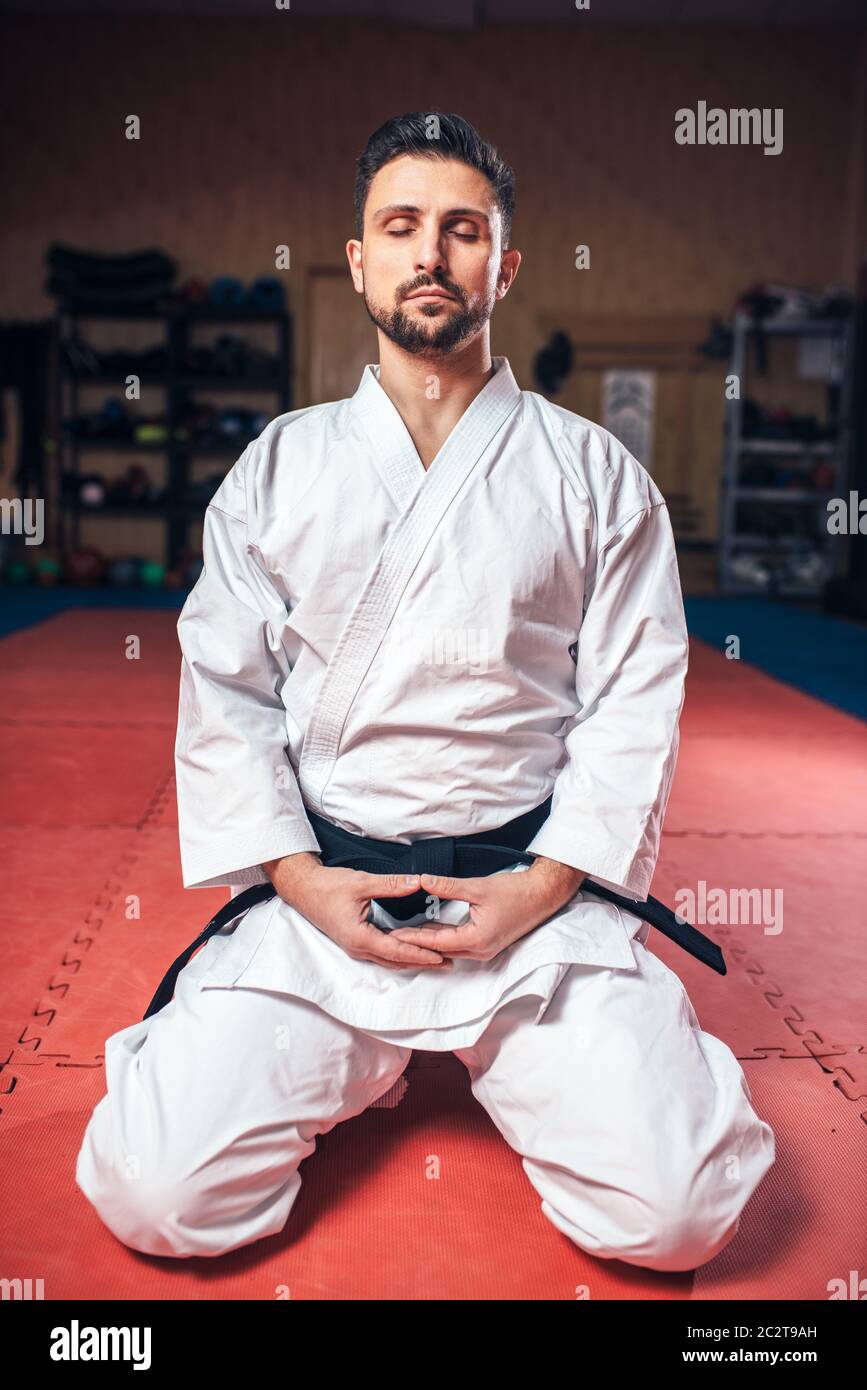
pixel 502 908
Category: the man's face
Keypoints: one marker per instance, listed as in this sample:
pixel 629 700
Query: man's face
pixel 429 223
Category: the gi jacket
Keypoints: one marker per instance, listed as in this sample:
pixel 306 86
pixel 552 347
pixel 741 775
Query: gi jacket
pixel 414 653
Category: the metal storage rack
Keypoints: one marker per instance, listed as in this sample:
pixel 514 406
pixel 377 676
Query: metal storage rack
pixel 176 511
pixel 782 451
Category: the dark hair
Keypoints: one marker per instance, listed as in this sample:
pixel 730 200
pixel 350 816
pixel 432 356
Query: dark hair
pixel 456 139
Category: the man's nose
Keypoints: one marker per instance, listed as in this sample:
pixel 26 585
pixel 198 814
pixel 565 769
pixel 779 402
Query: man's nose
pixel 429 255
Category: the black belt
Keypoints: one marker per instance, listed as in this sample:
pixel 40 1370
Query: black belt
pixel 458 856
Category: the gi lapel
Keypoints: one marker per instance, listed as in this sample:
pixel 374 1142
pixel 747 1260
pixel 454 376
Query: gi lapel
pixel 423 498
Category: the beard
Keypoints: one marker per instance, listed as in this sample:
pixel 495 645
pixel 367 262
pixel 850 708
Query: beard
pixel 443 330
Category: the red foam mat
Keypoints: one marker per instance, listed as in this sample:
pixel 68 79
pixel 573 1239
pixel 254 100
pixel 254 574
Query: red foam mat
pixel 767 796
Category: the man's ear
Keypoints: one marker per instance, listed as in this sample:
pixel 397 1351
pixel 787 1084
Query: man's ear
pixel 353 255
pixel 509 263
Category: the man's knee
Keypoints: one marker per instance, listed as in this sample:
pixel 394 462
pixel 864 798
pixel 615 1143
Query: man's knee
pixel 674 1241
pixel 672 1231
pixel 159 1212
pixel 141 1214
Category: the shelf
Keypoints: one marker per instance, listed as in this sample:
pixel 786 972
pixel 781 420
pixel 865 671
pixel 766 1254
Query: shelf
pixel 749 539
pixel 799 328
pixel 180 372
pixel 134 313
pixel 796 453
pixel 229 383
pixel 773 590
pixel 157 510
pixel 116 509
pixel 195 313
pixel 217 314
pixel 119 445
pixel 112 378
pixel 783 446
pixel 781 494
pixel 188 382
pixel 233 447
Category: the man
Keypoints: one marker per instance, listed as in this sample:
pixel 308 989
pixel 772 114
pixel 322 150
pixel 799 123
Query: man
pixel 424 610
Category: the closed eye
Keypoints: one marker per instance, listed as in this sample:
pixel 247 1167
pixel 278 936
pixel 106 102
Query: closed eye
pixel 464 236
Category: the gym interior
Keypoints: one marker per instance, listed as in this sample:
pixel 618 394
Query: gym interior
pixel 178 196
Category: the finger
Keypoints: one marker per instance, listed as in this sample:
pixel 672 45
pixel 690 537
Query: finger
pixel 404 964
pixel 386 885
pixel 464 889
pixel 445 939
pixel 381 945
pixel 430 962
pixel 378 960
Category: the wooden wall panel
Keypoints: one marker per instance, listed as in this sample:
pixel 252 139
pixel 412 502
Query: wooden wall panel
pixel 251 126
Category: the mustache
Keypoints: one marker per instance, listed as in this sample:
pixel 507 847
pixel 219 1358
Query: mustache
pixel 433 285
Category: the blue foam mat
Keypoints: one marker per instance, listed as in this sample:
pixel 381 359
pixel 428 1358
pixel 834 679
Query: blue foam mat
pixel 822 655
pixel 27 605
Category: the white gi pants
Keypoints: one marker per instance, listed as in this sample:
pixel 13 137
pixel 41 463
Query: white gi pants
pixel 635 1127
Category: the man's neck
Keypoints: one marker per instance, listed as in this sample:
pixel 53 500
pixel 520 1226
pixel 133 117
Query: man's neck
pixel 431 394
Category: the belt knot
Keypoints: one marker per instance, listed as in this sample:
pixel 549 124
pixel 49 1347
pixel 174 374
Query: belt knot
pixel 434 856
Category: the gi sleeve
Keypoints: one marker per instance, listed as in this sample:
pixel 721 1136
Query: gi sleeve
pixel 238 798
pixel 610 797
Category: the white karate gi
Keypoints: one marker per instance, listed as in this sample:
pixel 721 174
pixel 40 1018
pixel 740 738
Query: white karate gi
pixel 390 647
